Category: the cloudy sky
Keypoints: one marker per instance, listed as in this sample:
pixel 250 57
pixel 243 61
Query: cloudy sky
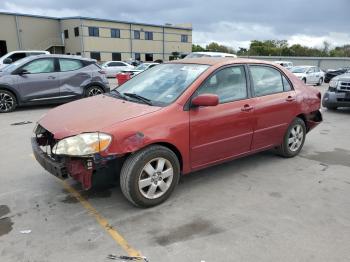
pixel 229 22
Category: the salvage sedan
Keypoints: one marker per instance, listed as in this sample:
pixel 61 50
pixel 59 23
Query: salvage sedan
pixel 176 118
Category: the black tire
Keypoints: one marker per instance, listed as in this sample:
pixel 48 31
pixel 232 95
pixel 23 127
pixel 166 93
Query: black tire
pixel 320 81
pixel 332 107
pixel 284 149
pixel 8 101
pixel 93 91
pixel 304 80
pixel 133 170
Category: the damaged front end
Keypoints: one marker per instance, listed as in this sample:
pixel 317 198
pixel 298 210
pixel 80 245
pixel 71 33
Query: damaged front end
pixel 90 170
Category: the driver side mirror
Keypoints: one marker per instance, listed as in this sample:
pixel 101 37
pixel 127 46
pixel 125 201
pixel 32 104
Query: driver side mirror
pixel 22 72
pixel 205 100
pixel 7 61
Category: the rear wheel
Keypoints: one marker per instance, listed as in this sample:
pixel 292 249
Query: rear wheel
pixel 294 139
pixel 149 176
pixel 93 91
pixel 320 81
pixel 304 80
pixel 8 101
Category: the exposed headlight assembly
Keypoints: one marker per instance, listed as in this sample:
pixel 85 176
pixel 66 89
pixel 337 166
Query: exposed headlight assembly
pixel 83 144
pixel 333 83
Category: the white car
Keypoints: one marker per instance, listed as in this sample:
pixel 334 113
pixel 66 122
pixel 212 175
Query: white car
pixel 112 68
pixel 309 74
pixel 209 54
pixel 286 64
pixel 140 68
pixel 14 56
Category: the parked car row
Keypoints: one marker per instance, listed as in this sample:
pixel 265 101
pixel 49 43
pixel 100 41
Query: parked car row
pixel 309 74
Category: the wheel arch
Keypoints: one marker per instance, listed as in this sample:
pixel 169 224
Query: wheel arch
pixel 95 84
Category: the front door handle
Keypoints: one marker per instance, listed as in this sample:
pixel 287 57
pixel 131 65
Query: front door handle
pixel 290 99
pixel 247 108
pixel 51 77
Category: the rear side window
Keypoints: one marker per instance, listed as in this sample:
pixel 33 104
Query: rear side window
pixel 229 84
pixel 70 64
pixel 266 80
pixel 116 64
pixel 40 66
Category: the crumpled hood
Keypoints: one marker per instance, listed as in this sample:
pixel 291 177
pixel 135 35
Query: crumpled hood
pixel 91 114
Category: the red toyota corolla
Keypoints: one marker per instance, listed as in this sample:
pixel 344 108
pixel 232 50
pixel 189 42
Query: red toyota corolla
pixel 176 118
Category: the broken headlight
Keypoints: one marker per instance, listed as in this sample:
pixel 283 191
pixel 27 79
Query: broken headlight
pixel 83 144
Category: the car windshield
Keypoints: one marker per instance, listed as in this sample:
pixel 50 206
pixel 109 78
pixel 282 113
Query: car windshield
pixel 299 69
pixel 162 84
pixel 142 67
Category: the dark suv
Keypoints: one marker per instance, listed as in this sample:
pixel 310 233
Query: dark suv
pixel 50 79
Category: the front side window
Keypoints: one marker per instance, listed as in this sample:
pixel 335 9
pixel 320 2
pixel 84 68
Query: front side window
pixel 94 31
pixel 115 33
pixel 266 80
pixel 149 35
pixel 229 84
pixel 136 34
pixel 163 83
pixel 70 64
pixel 40 66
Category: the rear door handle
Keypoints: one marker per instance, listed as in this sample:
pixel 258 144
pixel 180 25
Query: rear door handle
pixel 51 77
pixel 290 99
pixel 247 108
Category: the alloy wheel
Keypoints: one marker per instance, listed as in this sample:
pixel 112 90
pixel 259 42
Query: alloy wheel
pixel 6 102
pixel 95 91
pixel 295 138
pixel 155 178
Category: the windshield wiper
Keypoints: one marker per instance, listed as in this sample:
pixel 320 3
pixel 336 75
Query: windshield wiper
pixel 120 95
pixel 140 98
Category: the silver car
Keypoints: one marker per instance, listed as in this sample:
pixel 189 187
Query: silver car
pixel 49 79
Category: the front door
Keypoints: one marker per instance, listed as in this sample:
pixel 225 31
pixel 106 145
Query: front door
pixel 39 81
pixel 223 131
pixel 275 106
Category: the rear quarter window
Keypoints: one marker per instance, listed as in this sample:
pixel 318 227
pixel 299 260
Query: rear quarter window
pixel 70 64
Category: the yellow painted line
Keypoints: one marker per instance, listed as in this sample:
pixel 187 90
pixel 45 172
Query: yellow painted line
pixel 102 221
pixel 117 237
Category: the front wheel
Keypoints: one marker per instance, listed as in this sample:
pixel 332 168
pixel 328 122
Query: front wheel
pixel 149 176
pixel 294 139
pixel 8 101
pixel 320 81
pixel 93 91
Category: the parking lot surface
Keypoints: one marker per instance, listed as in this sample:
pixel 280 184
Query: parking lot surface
pixel 258 208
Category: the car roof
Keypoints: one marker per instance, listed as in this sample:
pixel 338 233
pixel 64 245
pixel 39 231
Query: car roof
pixel 213 53
pixel 220 61
pixel 63 56
pixel 283 61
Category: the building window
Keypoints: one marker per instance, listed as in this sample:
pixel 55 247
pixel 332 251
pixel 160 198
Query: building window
pixel 149 35
pixel 78 53
pixel 136 34
pixel 149 57
pixel 95 55
pixel 138 56
pixel 66 34
pixel 76 31
pixel 115 33
pixel 116 56
pixel 184 38
pixel 94 31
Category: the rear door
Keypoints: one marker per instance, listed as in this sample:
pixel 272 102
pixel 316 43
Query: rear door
pixel 275 105
pixel 40 82
pixel 74 75
pixel 223 131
